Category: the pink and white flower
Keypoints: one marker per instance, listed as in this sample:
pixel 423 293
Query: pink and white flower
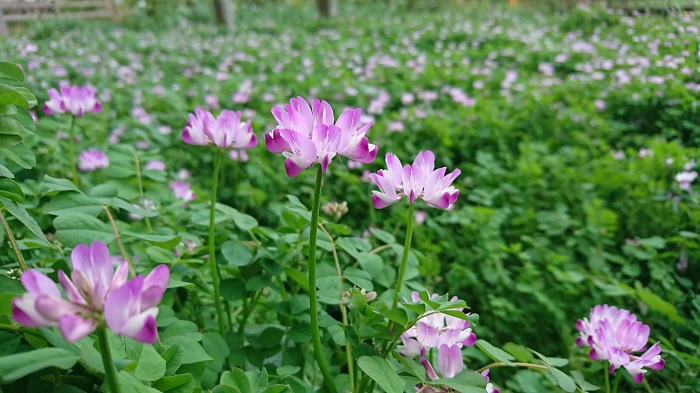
pixel 226 131
pixel 76 100
pixel 92 159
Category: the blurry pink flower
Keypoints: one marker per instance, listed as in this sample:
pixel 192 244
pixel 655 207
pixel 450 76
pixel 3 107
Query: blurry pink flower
pixel 165 130
pixel 143 144
pixel 395 126
pixel 141 115
pixel 418 181
pixel 183 174
pixel 420 217
pixel 182 190
pixel 92 159
pixel 685 178
pixel 225 131
pixel 645 153
pixel 240 97
pixel 354 164
pixel 408 98
pixel 155 165
pixel 599 105
pixel 307 134
pixel 34 118
pixel 238 155
pixel 76 100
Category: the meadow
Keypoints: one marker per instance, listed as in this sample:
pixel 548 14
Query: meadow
pixel 575 135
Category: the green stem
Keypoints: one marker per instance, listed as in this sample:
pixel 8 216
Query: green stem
pixel 143 195
pixel 13 243
pixel 313 310
pixel 212 246
pixel 607 379
pixel 616 382
pixel 110 371
pixel 404 257
pixel 71 151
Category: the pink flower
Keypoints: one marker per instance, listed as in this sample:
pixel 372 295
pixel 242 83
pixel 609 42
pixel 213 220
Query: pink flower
pixel 91 293
pixel 489 385
pixel 76 100
pixel 444 332
pixel 614 335
pixel 182 190
pixel 225 131
pixel 183 174
pixel 211 101
pixel 238 155
pixel 309 134
pixel 155 165
pixel 685 178
pixel 92 159
pixel 420 180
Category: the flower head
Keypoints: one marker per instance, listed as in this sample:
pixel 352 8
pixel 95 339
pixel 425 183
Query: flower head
pixel 310 134
pixel 92 291
pixel 182 190
pixel 685 178
pixel 75 100
pixel 614 335
pixel 226 131
pixel 420 180
pixel 92 159
pixel 444 332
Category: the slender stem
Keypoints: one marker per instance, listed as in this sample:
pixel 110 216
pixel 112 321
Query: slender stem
pixel 71 151
pixel 110 371
pixel 343 309
pixel 516 364
pixel 212 245
pixel 119 240
pixel 404 257
pixel 607 380
pixel 13 242
pixel 143 195
pixel 616 382
pixel 313 310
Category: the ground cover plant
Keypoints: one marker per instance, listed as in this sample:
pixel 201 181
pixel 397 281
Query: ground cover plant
pixel 465 199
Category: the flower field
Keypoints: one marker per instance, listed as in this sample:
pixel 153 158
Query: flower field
pixel 473 199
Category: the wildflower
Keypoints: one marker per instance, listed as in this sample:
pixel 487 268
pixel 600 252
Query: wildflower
pixel 685 178
pixel 420 180
pixel 489 385
pixel 614 335
pixel 645 153
pixel 93 159
pixel 155 165
pixel 306 135
pixel 183 174
pixel 225 131
pixel 238 155
pixel 76 100
pixel 182 190
pixel 446 333
pixel 93 294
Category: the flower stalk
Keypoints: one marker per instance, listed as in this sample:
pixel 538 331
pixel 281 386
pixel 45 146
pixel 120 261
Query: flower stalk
pixel 313 310
pixel 212 245
pixel 110 370
pixel 71 151
pixel 13 242
pixel 404 257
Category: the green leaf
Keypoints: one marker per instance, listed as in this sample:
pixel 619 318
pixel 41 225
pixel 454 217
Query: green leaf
pixel 20 213
pixel 7 141
pixel 225 389
pixel 381 372
pixel 31 99
pixel 4 172
pixel 581 381
pixel 22 364
pixel 359 277
pixel 464 382
pixel 11 190
pixel 656 303
pixel 163 241
pixel 10 95
pixel 151 366
pixel 11 70
pixel 72 202
pixel 129 383
pixel 122 204
pixel 397 315
pixel 22 155
pixel 76 228
pixel 495 353
pixel 56 184
pixel 176 384
pixel 237 253
pixel 554 362
pixel 382 235
pixel 564 381
pixel 237 378
pixel 233 289
pixel 25 119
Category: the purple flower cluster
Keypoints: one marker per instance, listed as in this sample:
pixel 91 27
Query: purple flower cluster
pixel 420 180
pixel 615 335
pixel 75 100
pixel 94 293
pixel 443 332
pixel 310 134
